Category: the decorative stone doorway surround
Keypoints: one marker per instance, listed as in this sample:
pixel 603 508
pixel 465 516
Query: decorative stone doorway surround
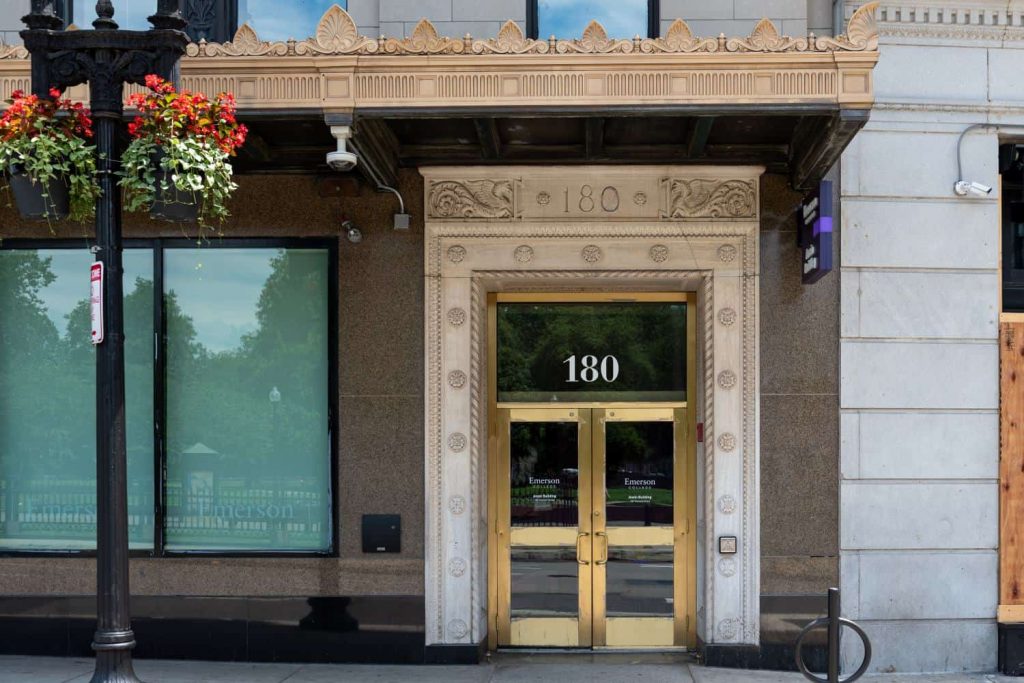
pixel 618 228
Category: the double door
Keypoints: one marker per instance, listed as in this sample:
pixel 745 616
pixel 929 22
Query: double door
pixel 592 535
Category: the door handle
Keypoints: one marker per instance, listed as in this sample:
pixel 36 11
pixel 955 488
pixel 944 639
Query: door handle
pixel 604 546
pixel 579 537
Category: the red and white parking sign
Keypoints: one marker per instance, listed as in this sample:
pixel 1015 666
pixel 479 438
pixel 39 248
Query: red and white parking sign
pixel 96 301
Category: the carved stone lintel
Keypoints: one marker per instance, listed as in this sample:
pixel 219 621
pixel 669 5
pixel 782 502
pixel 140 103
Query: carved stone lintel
pixel 462 199
pixel 709 198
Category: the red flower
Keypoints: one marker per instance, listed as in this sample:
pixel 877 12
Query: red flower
pixel 166 113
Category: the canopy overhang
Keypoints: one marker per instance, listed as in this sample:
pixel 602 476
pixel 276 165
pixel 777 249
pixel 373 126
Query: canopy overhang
pixel 790 104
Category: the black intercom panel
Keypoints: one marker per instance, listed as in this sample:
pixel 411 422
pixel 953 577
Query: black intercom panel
pixel 382 533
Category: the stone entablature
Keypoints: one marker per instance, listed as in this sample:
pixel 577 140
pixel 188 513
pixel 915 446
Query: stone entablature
pixel 977 20
pixel 591 228
pixel 339 70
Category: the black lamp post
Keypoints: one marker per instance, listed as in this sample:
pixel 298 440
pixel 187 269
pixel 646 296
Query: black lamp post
pixel 106 59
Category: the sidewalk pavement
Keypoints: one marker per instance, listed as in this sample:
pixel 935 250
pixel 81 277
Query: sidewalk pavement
pixel 502 668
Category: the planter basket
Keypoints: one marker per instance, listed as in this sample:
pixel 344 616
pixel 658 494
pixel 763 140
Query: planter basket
pixel 32 203
pixel 177 206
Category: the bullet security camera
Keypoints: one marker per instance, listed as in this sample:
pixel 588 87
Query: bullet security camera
pixel 964 188
pixel 354 234
pixel 341 160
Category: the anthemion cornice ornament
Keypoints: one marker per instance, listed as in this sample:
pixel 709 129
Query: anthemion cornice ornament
pixel 337 34
pixel 12 51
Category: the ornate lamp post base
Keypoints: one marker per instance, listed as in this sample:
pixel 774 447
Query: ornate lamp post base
pixel 106 59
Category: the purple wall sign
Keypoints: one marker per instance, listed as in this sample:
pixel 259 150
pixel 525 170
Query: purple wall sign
pixel 814 233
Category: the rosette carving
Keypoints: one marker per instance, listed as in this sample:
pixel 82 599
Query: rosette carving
pixel 709 198
pixel 471 199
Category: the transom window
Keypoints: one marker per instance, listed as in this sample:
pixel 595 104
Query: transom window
pixel 216 20
pixel 227 362
pixel 566 19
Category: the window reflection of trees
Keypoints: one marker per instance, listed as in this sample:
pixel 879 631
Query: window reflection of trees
pixel 265 468
pixel 245 471
pixel 47 406
pixel 544 451
pixel 648 339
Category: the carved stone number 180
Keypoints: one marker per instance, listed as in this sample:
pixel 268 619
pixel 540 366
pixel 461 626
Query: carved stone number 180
pixel 608 199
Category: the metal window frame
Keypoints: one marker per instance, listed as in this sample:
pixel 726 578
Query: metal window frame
pixel 158 247
pixel 533 19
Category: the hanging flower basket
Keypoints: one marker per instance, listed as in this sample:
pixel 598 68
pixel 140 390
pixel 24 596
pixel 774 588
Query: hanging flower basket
pixel 171 203
pixel 177 165
pixel 50 167
pixel 46 200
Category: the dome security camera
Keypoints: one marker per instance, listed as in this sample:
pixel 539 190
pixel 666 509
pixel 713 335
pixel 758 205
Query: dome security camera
pixel 342 160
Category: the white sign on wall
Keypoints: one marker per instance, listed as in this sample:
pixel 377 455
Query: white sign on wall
pixel 96 301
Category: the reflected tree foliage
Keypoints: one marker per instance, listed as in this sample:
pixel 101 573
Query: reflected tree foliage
pixel 47 405
pixel 647 341
pixel 248 451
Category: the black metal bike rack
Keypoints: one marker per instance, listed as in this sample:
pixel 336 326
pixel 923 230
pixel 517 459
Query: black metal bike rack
pixel 834 623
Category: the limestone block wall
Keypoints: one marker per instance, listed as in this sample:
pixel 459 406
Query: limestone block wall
pixel 919 354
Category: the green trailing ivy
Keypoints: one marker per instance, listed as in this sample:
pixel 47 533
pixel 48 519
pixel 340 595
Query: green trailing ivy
pixel 48 139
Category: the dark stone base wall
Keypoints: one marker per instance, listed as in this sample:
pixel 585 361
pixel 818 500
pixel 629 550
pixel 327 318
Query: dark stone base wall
pixel 358 629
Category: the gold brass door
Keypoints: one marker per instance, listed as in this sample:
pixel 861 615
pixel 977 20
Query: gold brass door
pixel 591 540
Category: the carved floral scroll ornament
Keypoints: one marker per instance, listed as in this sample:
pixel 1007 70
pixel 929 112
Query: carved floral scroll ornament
pixel 709 198
pixel 12 51
pixel 337 34
pixel 471 199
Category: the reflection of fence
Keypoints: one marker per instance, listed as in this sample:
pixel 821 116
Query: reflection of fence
pixel 543 506
pixel 236 513
pixel 49 508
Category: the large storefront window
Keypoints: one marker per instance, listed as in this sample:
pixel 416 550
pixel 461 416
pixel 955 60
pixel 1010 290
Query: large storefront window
pixel 568 18
pixel 48 400
pixel 241 416
pixel 248 450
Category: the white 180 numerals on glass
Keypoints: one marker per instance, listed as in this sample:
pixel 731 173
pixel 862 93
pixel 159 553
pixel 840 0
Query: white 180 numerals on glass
pixel 591 369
